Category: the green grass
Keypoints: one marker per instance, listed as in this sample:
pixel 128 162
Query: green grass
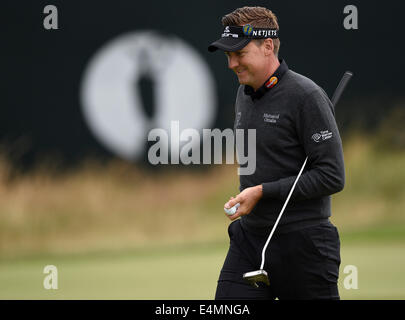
pixel 380 271
pixel 186 272
pixel 182 272
pixel 116 231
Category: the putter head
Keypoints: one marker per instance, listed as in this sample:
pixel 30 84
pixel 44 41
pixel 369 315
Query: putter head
pixel 253 277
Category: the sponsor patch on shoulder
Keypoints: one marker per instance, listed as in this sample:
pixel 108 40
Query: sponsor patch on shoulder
pixel 321 136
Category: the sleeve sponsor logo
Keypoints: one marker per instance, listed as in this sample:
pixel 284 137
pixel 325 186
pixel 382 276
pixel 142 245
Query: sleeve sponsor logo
pixel 322 136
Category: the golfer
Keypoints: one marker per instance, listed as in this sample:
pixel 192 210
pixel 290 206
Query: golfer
pixel 294 119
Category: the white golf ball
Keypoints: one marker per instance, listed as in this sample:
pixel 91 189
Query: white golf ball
pixel 232 211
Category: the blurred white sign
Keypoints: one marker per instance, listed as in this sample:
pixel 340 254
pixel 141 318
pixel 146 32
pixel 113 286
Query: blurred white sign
pixel 183 90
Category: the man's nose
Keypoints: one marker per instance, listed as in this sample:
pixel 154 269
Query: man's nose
pixel 232 62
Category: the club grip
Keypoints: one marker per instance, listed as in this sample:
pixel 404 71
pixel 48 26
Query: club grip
pixel 341 87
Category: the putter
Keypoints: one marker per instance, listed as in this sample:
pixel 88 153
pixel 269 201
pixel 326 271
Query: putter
pixel 255 277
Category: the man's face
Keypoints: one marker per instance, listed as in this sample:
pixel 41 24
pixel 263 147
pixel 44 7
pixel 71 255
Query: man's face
pixel 250 64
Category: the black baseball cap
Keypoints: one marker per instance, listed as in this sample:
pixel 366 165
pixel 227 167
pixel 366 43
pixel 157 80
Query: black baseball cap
pixel 234 38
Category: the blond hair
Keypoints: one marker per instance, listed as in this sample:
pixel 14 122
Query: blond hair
pixel 258 17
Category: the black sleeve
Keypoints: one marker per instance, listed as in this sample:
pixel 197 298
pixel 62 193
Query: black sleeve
pixel 317 131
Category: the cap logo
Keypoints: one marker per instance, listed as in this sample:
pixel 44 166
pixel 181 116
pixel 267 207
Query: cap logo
pixel 272 82
pixel 227 29
pixel 247 29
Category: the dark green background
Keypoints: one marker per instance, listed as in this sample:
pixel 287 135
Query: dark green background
pixel 40 111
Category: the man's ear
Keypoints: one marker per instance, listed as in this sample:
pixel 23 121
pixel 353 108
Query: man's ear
pixel 268 45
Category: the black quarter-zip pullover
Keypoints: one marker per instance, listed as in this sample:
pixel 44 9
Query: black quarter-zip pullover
pixel 293 119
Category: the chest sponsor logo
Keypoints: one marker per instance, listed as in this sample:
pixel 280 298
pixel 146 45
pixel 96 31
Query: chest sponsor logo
pixel 271 118
pixel 322 136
